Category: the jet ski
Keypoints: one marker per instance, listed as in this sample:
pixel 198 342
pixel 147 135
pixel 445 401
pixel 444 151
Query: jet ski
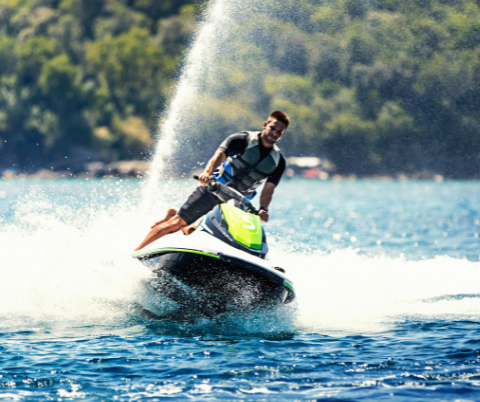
pixel 222 267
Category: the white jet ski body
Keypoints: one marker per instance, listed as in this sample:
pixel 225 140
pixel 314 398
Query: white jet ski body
pixel 220 267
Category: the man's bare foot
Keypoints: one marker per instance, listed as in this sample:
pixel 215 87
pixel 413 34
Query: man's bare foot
pixel 174 224
pixel 170 214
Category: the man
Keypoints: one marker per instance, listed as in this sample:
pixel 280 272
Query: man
pixel 243 161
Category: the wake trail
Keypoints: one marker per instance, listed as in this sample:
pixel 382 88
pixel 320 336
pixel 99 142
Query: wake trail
pixel 71 265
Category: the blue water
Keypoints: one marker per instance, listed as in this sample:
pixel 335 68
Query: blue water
pixel 387 276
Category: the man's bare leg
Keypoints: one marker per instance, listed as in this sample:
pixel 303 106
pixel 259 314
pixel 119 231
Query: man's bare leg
pixel 174 224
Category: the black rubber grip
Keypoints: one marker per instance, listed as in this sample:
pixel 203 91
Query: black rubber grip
pixel 195 177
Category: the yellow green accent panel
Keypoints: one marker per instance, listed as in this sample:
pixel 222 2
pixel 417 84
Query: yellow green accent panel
pixel 183 250
pixel 244 227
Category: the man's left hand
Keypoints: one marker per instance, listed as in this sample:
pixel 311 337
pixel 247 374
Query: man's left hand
pixel 263 215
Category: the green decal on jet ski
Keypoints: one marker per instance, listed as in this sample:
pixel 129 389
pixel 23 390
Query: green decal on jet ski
pixel 244 227
pixel 289 287
pixel 168 250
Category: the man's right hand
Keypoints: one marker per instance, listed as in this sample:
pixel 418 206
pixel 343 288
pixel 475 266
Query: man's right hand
pixel 204 178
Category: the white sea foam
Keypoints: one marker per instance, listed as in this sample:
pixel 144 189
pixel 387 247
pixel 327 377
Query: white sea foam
pixel 65 264
pixel 345 290
pixel 61 263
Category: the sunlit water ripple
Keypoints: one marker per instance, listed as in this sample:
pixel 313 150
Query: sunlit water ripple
pixel 386 274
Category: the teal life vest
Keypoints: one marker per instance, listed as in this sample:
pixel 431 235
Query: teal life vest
pixel 247 171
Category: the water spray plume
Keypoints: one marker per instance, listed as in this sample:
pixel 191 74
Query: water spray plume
pixel 221 87
pixel 181 109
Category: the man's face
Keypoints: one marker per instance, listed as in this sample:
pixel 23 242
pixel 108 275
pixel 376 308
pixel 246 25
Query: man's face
pixel 273 130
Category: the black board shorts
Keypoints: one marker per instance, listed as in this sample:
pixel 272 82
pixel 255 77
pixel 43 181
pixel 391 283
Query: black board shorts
pixel 198 204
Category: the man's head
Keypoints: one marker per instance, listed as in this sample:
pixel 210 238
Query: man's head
pixel 274 128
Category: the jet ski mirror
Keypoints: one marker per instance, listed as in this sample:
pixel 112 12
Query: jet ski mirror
pixel 225 193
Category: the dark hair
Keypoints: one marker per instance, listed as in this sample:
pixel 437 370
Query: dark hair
pixel 280 116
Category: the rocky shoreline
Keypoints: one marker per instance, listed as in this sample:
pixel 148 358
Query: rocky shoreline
pixel 130 169
pixel 139 169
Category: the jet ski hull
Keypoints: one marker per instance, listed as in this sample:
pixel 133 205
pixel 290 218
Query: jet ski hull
pixel 211 284
pixel 221 266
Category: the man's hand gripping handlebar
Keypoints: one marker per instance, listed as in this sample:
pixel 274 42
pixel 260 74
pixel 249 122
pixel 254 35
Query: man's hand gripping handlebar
pixel 225 193
pixel 204 179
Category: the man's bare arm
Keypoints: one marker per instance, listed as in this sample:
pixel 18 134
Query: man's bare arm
pixel 212 164
pixel 266 199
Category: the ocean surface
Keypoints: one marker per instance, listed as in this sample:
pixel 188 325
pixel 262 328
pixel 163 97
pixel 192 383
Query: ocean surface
pixel 387 277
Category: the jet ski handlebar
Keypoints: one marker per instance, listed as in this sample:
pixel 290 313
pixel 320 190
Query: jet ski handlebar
pixel 225 193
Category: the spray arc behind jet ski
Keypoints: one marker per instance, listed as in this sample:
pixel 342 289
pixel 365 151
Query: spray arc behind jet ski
pixel 219 268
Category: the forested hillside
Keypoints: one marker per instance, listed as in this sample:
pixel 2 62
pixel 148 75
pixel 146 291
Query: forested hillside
pixel 376 86
pixel 85 79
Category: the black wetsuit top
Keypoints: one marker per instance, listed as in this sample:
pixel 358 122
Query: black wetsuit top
pixel 201 200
